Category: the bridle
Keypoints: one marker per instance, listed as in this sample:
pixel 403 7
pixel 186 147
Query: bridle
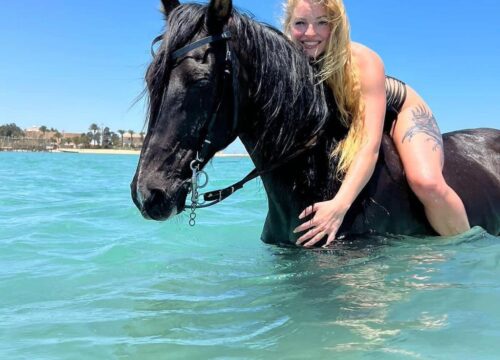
pixel 206 149
pixel 213 197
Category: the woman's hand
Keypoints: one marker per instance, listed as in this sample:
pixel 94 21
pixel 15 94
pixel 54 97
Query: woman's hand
pixel 328 216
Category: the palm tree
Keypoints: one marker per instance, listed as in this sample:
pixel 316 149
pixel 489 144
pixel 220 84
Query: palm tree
pixel 142 133
pixel 84 140
pixel 58 136
pixel 131 132
pixel 11 130
pixel 115 139
pixel 94 128
pixel 43 129
pixel 106 138
pixel 121 132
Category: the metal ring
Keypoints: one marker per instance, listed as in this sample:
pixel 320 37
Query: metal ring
pixel 194 165
pixel 202 185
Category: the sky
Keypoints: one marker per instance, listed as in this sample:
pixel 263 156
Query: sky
pixel 68 64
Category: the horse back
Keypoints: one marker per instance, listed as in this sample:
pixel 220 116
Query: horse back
pixel 472 169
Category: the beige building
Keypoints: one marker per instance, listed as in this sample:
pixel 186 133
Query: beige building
pixel 34 132
pixel 135 140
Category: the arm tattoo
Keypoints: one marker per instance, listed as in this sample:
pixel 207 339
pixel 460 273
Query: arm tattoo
pixel 425 123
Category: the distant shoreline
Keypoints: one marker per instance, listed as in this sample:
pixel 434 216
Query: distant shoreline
pixel 128 152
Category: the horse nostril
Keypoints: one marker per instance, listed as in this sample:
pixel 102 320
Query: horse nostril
pixel 156 204
pixel 157 197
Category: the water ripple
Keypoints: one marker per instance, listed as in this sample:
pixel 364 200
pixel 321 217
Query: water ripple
pixel 83 275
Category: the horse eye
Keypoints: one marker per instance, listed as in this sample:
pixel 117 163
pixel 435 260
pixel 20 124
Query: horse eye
pixel 205 57
pixel 200 83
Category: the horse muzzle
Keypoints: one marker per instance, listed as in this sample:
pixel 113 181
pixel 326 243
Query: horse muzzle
pixel 157 203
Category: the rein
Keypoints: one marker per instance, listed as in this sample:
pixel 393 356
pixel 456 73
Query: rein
pixel 199 178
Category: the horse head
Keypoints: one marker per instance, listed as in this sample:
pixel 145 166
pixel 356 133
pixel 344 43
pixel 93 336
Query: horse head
pixel 192 104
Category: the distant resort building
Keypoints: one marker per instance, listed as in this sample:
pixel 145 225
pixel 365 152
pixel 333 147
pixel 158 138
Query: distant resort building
pixel 34 139
pixel 133 140
pixel 34 132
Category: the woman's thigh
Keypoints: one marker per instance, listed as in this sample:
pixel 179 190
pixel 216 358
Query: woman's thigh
pixel 419 142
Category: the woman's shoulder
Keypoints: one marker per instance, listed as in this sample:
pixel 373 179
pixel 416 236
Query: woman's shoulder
pixel 364 56
pixel 368 62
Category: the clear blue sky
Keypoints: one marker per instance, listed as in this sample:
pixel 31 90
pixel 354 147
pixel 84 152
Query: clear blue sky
pixel 67 64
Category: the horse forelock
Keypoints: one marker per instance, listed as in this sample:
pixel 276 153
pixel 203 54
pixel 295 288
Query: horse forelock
pixel 182 24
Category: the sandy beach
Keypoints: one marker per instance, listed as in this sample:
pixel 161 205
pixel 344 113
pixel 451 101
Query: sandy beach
pixel 100 151
pixel 128 152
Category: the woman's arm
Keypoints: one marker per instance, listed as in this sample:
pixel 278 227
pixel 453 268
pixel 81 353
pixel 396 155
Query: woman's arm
pixel 328 215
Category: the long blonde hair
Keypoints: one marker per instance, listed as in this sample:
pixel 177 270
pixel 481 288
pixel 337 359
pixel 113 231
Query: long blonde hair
pixel 340 72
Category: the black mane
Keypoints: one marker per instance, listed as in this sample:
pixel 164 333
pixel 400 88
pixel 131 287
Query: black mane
pixel 183 23
pixel 282 78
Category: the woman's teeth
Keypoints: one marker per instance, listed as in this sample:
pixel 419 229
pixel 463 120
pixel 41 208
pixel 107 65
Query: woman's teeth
pixel 308 44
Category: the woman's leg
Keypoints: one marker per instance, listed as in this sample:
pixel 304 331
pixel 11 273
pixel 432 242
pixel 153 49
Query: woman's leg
pixel 420 146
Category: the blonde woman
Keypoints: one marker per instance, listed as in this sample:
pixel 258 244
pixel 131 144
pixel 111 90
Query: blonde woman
pixel 370 103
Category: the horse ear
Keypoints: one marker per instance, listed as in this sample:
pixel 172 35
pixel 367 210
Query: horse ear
pixel 218 14
pixel 168 5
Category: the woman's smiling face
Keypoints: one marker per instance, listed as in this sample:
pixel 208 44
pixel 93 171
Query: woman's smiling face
pixel 310 27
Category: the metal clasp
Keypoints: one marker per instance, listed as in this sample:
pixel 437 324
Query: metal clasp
pixel 195 185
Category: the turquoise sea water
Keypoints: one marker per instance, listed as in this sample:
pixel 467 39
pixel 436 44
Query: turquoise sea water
pixel 84 276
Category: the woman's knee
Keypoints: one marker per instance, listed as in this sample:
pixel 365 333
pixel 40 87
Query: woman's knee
pixel 428 187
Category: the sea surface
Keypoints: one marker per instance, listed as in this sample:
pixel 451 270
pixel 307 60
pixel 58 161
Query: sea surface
pixel 84 276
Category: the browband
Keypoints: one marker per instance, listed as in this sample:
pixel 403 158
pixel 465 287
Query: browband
pixel 207 40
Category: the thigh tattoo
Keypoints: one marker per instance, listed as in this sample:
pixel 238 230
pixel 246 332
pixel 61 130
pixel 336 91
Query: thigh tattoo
pixel 424 123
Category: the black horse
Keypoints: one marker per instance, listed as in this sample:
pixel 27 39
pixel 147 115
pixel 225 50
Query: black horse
pixel 218 75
